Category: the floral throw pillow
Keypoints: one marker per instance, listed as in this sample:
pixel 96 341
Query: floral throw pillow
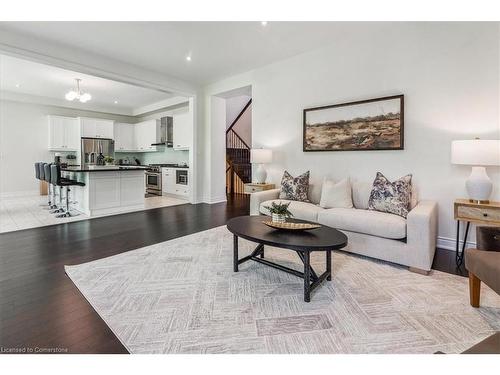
pixel 391 197
pixel 295 189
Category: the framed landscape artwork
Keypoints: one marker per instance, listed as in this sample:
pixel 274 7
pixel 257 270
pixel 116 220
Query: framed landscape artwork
pixel 374 124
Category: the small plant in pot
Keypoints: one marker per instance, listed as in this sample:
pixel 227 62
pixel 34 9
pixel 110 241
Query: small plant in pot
pixel 108 160
pixel 279 212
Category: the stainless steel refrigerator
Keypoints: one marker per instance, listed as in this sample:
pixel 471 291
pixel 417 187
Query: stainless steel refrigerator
pixel 92 148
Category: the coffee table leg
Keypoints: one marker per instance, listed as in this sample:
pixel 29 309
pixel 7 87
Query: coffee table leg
pixel 262 252
pixel 307 277
pixel 235 253
pixel 329 265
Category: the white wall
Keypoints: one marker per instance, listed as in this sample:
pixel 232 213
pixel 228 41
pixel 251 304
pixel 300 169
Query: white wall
pixel 24 141
pixel 449 73
pixel 234 106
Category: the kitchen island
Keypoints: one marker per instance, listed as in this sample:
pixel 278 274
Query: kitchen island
pixel 108 189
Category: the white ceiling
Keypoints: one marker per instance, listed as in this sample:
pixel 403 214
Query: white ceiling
pixel 39 80
pixel 218 49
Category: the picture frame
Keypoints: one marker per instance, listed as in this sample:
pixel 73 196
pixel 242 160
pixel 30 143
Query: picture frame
pixel 364 125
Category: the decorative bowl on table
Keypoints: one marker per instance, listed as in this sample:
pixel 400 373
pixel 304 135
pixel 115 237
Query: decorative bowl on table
pixel 287 225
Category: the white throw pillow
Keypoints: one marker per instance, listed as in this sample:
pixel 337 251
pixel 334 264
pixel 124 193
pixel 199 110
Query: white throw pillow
pixel 336 195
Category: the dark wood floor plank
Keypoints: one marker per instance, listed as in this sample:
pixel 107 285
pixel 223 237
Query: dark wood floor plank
pixel 41 307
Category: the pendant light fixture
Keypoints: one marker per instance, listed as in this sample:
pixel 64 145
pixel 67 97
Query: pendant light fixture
pixel 78 94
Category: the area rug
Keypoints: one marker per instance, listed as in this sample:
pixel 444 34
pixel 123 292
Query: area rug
pixel 181 296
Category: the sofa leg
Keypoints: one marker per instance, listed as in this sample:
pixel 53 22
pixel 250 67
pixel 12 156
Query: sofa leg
pixel 419 271
pixel 474 289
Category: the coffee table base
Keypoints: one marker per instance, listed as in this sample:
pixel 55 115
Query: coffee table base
pixel 311 279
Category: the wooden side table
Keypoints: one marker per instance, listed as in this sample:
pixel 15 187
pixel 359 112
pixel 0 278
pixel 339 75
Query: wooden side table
pixel 253 188
pixel 476 213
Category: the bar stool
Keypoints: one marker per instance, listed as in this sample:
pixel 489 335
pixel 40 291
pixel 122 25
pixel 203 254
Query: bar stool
pixel 40 175
pixel 57 180
pixel 52 188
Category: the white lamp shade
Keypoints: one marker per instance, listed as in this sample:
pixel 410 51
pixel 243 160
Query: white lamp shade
pixel 260 156
pixel 477 152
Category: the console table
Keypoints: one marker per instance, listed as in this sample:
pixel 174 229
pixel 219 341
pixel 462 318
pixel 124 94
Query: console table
pixel 476 213
pixel 254 187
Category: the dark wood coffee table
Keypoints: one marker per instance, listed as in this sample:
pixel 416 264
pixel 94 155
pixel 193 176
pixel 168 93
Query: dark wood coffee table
pixel 303 243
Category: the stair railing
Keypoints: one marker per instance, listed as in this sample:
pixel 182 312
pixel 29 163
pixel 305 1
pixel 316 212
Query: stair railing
pixel 237 153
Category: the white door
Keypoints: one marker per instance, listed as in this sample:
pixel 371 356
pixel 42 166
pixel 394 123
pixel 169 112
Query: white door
pixel 104 129
pixel 71 134
pixel 124 137
pixel 168 180
pixel 56 133
pixel 88 127
pixel 140 136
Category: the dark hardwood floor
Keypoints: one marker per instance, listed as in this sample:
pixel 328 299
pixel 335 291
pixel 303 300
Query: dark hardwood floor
pixel 39 305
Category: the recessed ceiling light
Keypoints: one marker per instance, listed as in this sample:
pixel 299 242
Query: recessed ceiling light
pixel 188 58
pixel 116 101
pixel 18 85
pixel 263 23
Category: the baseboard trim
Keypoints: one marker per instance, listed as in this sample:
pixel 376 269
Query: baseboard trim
pixel 450 243
pixel 15 194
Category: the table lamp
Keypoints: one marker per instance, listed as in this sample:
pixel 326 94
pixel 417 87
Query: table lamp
pixel 479 153
pixel 260 156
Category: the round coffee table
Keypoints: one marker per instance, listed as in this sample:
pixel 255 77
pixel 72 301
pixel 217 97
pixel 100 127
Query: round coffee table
pixel 303 243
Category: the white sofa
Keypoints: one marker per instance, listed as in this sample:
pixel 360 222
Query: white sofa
pixel 410 242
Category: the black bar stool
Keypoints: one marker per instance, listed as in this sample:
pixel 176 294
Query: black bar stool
pixel 57 180
pixel 52 188
pixel 40 175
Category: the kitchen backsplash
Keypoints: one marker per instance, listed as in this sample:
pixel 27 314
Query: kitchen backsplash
pixel 166 156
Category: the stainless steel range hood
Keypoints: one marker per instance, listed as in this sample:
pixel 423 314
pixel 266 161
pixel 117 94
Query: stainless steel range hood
pixel 166 136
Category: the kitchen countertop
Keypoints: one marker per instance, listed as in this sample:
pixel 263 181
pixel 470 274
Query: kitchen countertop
pixel 105 168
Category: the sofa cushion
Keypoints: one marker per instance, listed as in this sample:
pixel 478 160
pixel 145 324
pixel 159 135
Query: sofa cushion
pixel 295 188
pixel 336 195
pixel 300 210
pixel 391 197
pixel 361 194
pixel 374 223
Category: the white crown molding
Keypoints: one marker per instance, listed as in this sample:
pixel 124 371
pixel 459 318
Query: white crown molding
pixel 170 102
pixel 67 57
pixel 34 99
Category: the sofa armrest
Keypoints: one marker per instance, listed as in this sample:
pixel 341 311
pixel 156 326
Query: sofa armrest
pixel 421 227
pixel 257 198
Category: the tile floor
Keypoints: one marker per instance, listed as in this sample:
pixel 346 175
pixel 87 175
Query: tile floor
pixel 18 213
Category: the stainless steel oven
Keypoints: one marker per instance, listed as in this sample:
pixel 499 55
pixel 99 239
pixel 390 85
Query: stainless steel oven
pixel 153 181
pixel 181 177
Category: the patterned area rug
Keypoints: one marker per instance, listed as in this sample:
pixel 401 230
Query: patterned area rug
pixel 181 296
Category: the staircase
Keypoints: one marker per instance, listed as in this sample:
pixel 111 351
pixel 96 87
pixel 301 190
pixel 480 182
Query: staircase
pixel 238 167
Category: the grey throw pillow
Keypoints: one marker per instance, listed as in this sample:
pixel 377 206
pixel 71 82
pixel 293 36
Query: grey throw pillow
pixel 391 197
pixel 295 189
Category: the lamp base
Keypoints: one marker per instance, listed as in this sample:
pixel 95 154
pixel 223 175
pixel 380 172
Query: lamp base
pixel 479 185
pixel 260 174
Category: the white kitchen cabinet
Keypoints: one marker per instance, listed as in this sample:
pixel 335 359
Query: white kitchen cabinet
pixel 168 180
pixel 169 183
pixel 105 190
pixel 124 137
pixel 181 190
pixel 64 134
pixel 146 133
pixel 132 189
pixel 183 130
pixel 96 128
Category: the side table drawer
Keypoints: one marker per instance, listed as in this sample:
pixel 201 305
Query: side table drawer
pixel 475 213
pixel 253 189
